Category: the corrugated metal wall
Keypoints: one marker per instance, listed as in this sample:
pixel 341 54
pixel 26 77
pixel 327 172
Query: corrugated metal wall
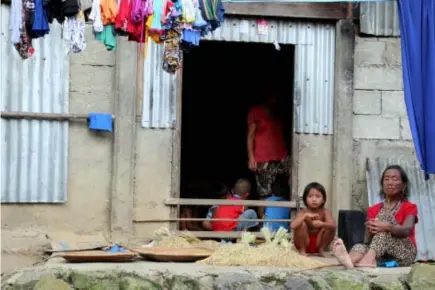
pixel 314 72
pixel 159 91
pixel 34 159
pixel 314 81
pixel 380 18
pixel 422 193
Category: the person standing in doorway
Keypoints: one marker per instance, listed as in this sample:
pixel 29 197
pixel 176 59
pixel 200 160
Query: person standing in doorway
pixel 267 151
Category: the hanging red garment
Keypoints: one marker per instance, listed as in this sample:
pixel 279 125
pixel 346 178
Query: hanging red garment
pixel 121 21
pixel 136 31
pixel 167 9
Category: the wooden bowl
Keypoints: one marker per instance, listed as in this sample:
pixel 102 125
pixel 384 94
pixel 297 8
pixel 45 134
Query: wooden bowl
pixel 97 256
pixel 174 255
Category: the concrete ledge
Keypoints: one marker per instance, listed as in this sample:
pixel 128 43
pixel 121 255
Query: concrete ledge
pixel 148 275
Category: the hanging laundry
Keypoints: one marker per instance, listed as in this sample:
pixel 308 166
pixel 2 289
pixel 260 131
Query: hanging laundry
pixel 178 24
pixel 95 16
pixel 107 37
pixel 16 22
pixel 74 33
pixel 167 8
pixel 188 11
pixel 29 12
pixel 40 23
pixel 54 10
pixel 136 30
pixel 154 34
pixel 60 9
pixel 211 9
pixel 199 22
pixel 156 24
pixel 24 46
pixel 109 9
pixel 121 21
pixel 173 54
pixel 140 10
pixel 70 7
pixel 191 37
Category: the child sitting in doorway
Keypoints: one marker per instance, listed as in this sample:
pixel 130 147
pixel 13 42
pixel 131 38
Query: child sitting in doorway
pixel 223 193
pixel 275 213
pixel 242 189
pixel 313 227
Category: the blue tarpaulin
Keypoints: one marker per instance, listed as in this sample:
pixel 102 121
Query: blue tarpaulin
pixel 417 33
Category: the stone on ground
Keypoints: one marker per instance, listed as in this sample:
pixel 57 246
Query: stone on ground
pixel 422 276
pixel 51 283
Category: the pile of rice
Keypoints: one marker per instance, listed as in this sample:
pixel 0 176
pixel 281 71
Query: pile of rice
pixel 279 253
pixel 266 255
pixel 165 239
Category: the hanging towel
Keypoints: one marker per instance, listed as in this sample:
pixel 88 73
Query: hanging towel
pixel 107 37
pixel 16 23
pixel 96 17
pixel 100 121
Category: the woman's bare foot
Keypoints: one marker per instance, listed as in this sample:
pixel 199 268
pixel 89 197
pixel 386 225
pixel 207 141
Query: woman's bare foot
pixel 368 261
pixel 341 254
pixel 321 253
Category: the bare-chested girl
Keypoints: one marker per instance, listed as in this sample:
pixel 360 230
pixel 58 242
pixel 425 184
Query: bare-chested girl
pixel 313 227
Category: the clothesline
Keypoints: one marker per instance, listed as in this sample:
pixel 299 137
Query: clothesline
pixel 177 24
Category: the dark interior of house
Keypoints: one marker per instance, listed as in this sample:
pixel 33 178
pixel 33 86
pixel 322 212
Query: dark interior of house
pixel 221 82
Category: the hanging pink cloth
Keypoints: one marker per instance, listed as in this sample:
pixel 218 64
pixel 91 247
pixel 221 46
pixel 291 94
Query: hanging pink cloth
pixel 141 9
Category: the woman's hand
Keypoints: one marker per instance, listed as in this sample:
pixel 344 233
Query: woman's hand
pixel 376 226
pixel 252 164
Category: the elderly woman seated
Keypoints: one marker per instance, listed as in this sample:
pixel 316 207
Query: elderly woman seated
pixel 390 226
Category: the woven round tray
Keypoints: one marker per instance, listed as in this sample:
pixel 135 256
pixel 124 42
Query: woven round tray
pixel 174 255
pixel 97 256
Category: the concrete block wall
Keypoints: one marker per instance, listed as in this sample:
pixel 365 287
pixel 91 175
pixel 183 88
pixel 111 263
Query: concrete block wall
pixel 380 123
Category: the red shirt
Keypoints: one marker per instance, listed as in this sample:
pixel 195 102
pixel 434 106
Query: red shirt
pixel 228 212
pixel 269 143
pixel 406 209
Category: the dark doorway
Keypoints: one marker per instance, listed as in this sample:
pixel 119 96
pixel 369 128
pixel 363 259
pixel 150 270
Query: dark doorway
pixel 221 81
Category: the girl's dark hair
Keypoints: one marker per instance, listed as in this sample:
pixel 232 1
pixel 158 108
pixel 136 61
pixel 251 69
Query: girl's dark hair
pixel 403 177
pixel 317 186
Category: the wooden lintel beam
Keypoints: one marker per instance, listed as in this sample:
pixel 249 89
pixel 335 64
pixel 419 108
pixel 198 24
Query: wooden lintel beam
pixel 330 10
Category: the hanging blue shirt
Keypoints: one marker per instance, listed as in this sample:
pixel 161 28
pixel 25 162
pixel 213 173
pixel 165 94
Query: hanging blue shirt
pixel 40 25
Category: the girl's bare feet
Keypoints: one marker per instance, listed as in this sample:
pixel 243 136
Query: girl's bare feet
pixel 302 252
pixel 341 254
pixel 321 253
